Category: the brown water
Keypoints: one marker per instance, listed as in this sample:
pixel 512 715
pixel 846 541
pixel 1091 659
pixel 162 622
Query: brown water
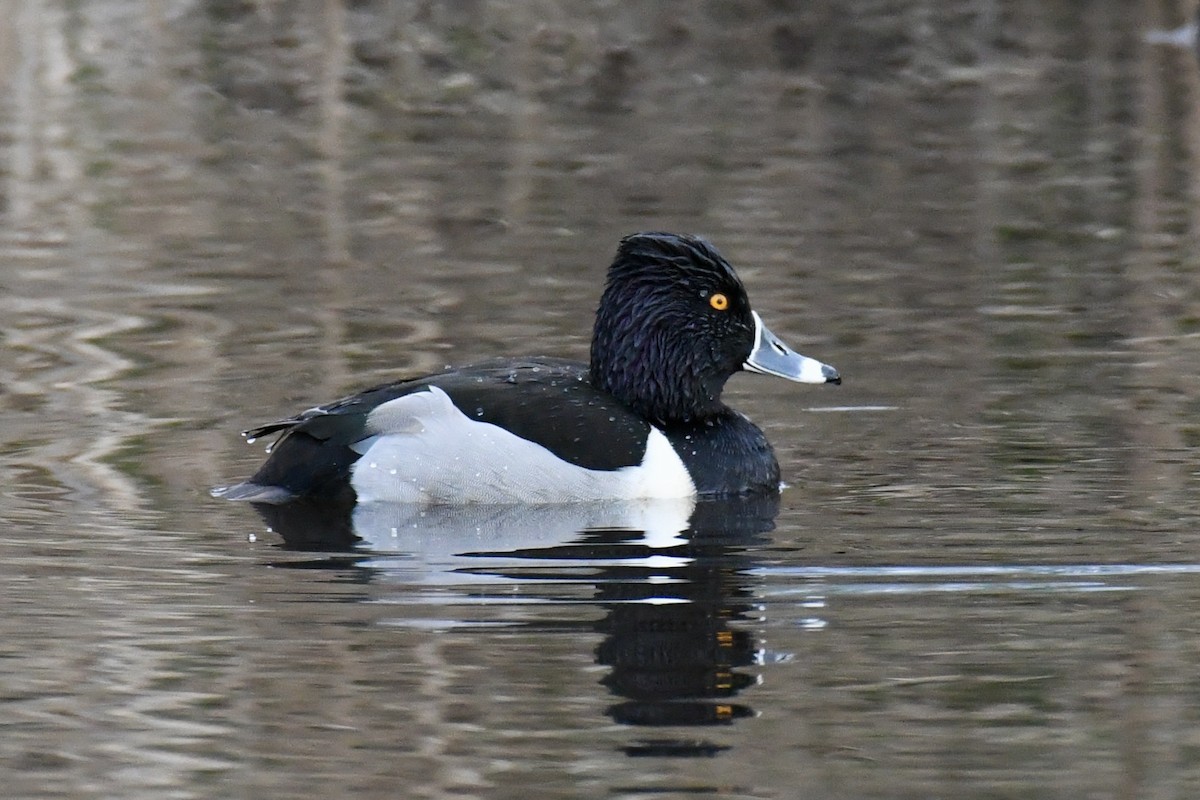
pixel 983 581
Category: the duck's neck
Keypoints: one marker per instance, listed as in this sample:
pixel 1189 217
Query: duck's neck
pixel 678 397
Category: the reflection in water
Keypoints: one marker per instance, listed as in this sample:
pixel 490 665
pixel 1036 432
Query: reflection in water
pixel 671 576
pixel 671 641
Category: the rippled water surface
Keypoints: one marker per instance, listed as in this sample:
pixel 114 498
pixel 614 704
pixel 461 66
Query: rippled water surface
pixel 983 579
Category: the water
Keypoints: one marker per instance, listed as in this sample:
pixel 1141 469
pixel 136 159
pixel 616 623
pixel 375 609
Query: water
pixel 981 581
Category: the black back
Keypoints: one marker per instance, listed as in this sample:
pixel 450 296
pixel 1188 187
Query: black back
pixel 548 401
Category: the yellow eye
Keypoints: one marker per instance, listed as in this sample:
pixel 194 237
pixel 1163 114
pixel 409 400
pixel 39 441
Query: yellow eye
pixel 719 301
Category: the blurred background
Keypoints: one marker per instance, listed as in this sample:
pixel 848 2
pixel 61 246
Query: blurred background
pixel 983 212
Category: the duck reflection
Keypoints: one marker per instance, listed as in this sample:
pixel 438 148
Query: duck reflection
pixel 671 576
pixel 676 656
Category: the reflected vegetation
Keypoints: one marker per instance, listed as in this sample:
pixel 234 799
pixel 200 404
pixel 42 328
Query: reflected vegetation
pixel 981 581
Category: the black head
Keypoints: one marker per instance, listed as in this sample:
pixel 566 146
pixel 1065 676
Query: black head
pixel 674 324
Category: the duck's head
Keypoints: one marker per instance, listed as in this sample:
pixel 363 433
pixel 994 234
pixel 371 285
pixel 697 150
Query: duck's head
pixel 675 323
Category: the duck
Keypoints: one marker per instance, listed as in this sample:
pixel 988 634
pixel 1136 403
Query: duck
pixel 642 419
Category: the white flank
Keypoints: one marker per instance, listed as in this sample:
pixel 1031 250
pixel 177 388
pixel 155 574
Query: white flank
pixel 425 450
